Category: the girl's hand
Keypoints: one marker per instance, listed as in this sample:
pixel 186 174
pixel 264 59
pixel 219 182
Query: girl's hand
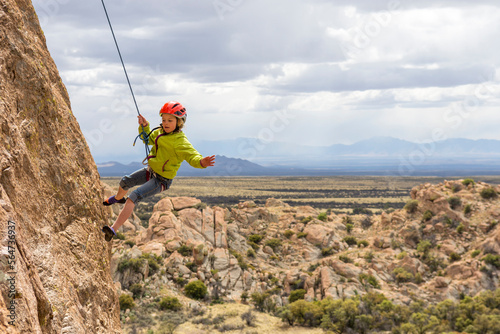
pixel 208 161
pixel 142 121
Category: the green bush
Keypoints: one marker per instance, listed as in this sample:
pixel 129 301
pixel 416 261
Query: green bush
pixel 454 202
pixel 274 243
pixel 460 228
pixel 301 235
pixel 411 206
pixel 137 290
pixel 327 251
pixel 467 209
pixel 185 250
pixel 306 220
pixel 195 289
pixel 454 257
pixel 170 303
pixel 323 216
pixel 488 193
pixel 296 295
pixel 363 243
pixel 288 234
pixel 126 302
pixel 251 253
pixel 256 238
pixel 466 182
pixel 401 275
pixel 350 240
pixel 475 253
pixel 494 260
pixel 427 215
pixel 349 227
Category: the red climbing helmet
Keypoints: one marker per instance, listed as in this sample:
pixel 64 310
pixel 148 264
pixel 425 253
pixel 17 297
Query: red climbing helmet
pixel 174 108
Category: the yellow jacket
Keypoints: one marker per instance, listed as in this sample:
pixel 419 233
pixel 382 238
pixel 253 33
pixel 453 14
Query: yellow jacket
pixel 169 151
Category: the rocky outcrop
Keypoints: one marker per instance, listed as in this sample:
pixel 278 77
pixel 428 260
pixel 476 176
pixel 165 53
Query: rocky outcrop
pixel 54 275
pixel 435 250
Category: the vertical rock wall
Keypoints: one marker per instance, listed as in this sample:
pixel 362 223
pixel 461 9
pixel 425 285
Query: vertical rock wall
pixel 50 196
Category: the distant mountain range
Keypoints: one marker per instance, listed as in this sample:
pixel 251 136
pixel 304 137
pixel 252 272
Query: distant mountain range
pixel 377 147
pixel 375 156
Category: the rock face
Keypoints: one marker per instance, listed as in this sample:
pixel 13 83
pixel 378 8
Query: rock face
pixel 50 196
pixel 437 250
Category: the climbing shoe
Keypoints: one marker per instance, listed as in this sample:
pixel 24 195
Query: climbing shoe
pixel 113 200
pixel 108 232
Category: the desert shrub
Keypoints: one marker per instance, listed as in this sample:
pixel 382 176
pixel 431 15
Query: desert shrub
pixel 454 202
pixel 296 295
pixel 191 266
pixel 466 182
pixel 253 245
pixel 345 259
pixel 454 257
pixel 185 250
pixel 347 220
pixel 250 253
pixel 288 234
pixel 120 235
pixel 369 257
pixel 129 243
pixel 350 240
pixel 349 227
pixel 366 222
pixel 327 251
pixel 170 303
pixel 488 193
pixel 467 209
pixel 424 247
pixel 475 253
pixel 460 228
pixel 323 216
pixel 306 220
pixel 126 302
pixel 411 206
pixel 456 188
pixel 249 318
pixel 256 238
pixel 261 300
pixel 180 280
pixel 401 275
pixel 361 211
pixel 369 279
pixel 363 243
pixel 301 235
pixel 244 296
pixel 241 262
pixel 427 215
pixel 313 267
pixel 274 243
pixel 154 262
pixel 418 278
pixel 195 289
pixel 494 260
pixel 137 290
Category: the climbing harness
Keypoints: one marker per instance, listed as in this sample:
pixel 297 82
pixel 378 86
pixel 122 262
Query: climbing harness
pixel 143 135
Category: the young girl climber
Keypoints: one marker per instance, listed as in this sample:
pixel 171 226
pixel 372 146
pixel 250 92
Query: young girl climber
pixel 170 148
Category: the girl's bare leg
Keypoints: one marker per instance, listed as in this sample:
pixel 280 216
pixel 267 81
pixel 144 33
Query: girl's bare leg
pixel 124 214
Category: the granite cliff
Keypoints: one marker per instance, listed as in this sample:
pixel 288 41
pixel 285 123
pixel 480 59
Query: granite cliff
pixel 54 275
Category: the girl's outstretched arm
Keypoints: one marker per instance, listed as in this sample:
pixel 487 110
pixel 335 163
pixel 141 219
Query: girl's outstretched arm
pixel 208 161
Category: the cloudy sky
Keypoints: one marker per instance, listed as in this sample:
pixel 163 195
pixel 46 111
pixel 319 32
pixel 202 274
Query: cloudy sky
pixel 313 72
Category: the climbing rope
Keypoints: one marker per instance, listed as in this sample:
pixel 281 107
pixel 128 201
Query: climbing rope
pixel 143 135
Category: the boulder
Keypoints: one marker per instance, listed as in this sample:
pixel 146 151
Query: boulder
pixel 180 203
